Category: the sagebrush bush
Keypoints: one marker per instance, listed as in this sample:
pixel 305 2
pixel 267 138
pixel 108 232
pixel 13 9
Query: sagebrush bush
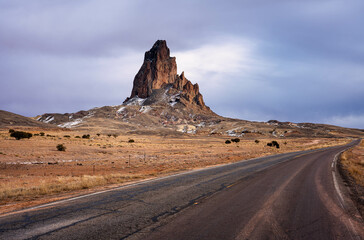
pixel 61 147
pixel 257 141
pixel 227 142
pixel 131 140
pixel 67 136
pixel 87 136
pixel 235 140
pixel 42 133
pixel 19 135
pixel 273 144
pixel 11 130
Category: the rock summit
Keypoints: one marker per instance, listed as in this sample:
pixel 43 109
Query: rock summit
pixel 159 71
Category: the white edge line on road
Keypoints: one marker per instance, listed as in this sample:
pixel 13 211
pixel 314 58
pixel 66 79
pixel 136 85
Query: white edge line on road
pixel 337 188
pixel 335 180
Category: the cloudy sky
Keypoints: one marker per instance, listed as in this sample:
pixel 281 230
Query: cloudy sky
pixel 299 61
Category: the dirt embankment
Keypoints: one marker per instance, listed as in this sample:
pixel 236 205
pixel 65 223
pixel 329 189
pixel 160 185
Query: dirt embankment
pixel 352 169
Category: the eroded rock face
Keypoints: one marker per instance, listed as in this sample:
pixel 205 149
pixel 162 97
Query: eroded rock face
pixel 159 70
pixel 189 91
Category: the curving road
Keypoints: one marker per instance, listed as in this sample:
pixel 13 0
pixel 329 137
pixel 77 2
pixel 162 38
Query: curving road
pixel 287 196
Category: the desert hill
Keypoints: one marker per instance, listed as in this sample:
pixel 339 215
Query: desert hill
pixel 163 102
pixel 8 119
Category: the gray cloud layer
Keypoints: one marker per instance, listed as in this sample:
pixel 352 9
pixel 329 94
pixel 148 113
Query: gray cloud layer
pixel 258 60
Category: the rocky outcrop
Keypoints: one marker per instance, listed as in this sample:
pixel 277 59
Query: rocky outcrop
pixel 189 91
pixel 159 70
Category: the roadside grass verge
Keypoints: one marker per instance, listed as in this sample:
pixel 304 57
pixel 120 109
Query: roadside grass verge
pixel 17 191
pixel 353 162
pixel 351 167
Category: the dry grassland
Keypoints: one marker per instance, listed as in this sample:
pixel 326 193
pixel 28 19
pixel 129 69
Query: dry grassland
pixel 353 162
pixel 33 169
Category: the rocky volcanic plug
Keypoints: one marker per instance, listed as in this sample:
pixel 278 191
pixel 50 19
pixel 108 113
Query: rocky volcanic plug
pixel 159 71
pixel 159 98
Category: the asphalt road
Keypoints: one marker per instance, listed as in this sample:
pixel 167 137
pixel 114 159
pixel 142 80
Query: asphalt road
pixel 287 196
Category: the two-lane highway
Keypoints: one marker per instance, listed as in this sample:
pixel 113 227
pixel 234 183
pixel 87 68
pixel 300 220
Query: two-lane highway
pixel 286 196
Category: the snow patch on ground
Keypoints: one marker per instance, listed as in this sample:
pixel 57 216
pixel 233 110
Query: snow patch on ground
pixel 71 124
pixel 120 110
pixel 201 125
pixel 135 101
pixel 48 119
pixel 145 109
pixel 234 133
pixel 174 99
pixel 76 122
pixel 186 129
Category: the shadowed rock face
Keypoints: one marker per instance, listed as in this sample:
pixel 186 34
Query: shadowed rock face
pixel 158 71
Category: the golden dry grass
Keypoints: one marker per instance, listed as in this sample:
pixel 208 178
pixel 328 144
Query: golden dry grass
pixel 33 168
pixel 353 161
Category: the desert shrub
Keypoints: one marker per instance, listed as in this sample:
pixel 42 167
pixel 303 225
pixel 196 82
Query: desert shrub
pixel 115 135
pixel 87 136
pixel 77 137
pixel 257 141
pixel 19 135
pixel 109 135
pixel 61 147
pixel 131 140
pixel 42 133
pixel 285 143
pixel 227 142
pixel 235 140
pixel 98 134
pixel 36 134
pixel 11 130
pixel 67 136
pixel 273 144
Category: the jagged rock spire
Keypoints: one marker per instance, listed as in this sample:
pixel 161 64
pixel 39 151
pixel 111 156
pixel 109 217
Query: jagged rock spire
pixel 159 69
